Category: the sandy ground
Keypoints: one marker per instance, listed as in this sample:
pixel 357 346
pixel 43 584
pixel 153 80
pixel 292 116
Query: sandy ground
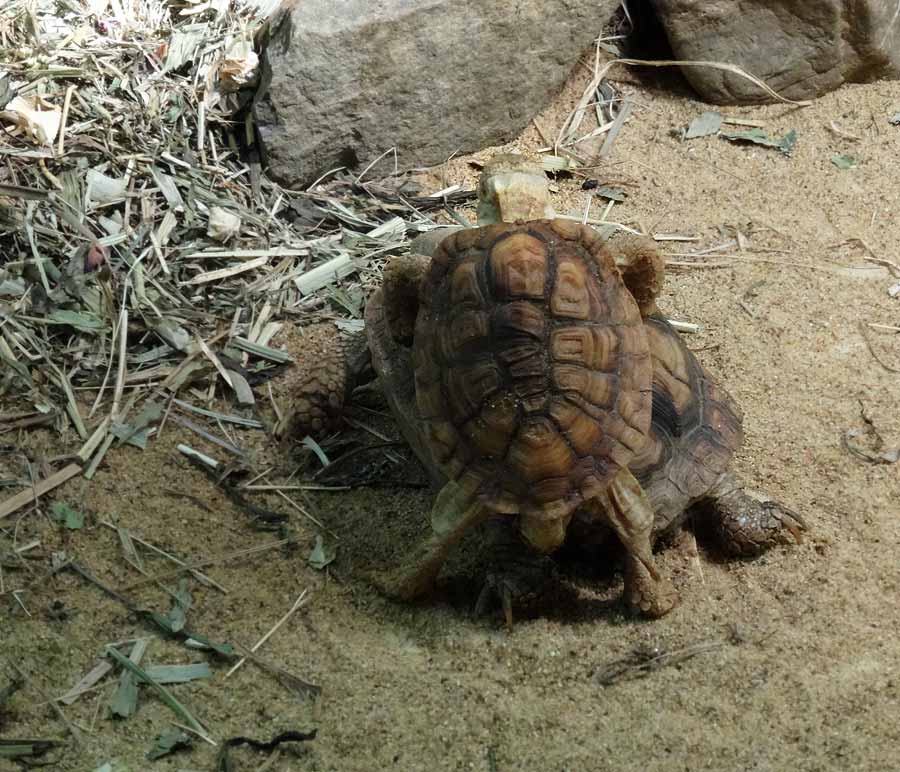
pixel 802 670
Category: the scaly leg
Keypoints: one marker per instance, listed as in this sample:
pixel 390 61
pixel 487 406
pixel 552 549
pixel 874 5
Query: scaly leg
pixel 455 511
pixel 628 511
pixel 518 571
pixel 748 524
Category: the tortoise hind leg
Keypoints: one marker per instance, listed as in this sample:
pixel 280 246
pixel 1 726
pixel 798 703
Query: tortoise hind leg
pixel 455 511
pixel 746 524
pixel 627 509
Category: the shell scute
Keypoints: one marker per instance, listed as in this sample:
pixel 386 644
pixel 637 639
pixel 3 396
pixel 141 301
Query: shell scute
pixel 520 318
pixel 470 385
pixel 580 429
pixel 518 267
pixel 466 326
pixel 464 285
pixel 539 451
pixel 599 389
pixel 594 347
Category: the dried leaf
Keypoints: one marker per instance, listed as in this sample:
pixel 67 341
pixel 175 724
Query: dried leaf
pixel 81 322
pixel 163 693
pixel 874 456
pixel 178 674
pixel 843 161
pixel 123 703
pixel 613 194
pixel 557 163
pixel 240 66
pixel 103 190
pixel 169 742
pixel 177 616
pixel 223 225
pixel 172 333
pixel 704 125
pixel 39 119
pixel 322 554
pixel 11 748
pixel 759 137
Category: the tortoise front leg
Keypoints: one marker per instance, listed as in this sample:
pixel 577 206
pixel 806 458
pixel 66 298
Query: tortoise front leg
pixel 329 366
pixel 747 524
pixel 455 511
pixel 628 510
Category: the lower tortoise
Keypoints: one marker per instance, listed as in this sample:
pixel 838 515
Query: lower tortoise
pixel 533 375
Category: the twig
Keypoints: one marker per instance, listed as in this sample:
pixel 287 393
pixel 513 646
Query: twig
pixel 228 556
pixel 32 494
pixel 72 729
pixel 301 599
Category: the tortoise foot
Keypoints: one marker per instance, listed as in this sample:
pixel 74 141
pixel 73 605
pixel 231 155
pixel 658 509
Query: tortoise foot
pixel 648 596
pixel 519 574
pixel 747 526
pixel 515 585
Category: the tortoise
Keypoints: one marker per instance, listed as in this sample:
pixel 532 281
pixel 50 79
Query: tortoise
pixel 529 365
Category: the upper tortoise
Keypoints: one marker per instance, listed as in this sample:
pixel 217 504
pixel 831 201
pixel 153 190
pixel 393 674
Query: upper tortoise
pixel 528 364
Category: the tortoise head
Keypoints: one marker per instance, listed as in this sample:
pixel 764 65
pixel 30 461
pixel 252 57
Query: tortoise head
pixel 513 188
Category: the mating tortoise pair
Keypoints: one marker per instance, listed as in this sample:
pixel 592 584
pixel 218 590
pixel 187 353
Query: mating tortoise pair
pixel 530 370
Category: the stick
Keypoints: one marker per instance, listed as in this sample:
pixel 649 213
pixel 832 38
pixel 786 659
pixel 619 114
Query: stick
pixel 297 604
pixel 46 485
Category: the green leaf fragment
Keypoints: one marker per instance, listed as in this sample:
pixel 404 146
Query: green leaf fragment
pixel 180 710
pixel 322 554
pixel 704 125
pixel 169 742
pixel 843 161
pixel 197 641
pixel 177 616
pixel 613 194
pixel 138 432
pixel 178 674
pixel 759 137
pixel 314 446
pixel 81 322
pixel 125 698
pixel 65 515
pixel 19 748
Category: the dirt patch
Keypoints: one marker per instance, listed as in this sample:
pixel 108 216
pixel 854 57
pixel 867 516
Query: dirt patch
pixel 804 674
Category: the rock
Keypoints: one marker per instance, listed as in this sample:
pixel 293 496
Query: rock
pixel 346 80
pixel 801 48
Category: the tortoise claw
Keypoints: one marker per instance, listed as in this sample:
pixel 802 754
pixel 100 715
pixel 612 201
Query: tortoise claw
pixel 505 590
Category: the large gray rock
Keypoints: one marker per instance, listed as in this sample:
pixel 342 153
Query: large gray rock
pixel 346 80
pixel 801 48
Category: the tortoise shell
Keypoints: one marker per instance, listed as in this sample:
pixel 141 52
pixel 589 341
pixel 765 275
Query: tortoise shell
pixel 695 431
pixel 532 367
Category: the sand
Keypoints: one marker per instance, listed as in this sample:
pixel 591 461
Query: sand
pixel 802 667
